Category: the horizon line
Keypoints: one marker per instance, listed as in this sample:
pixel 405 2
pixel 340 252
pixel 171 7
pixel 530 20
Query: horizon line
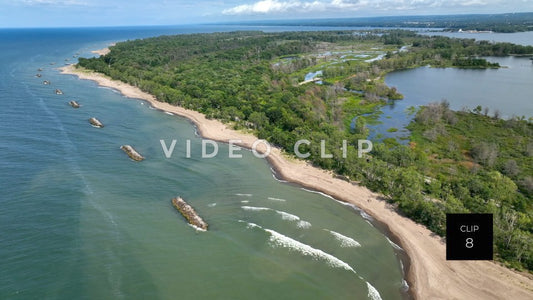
pixel 250 21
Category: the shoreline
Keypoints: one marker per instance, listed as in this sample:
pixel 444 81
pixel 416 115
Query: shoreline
pixel 428 273
pixel 103 51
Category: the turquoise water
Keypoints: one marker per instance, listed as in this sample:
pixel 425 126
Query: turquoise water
pixel 79 220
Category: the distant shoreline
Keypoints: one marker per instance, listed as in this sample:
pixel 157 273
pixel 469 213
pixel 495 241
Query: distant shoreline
pixel 429 275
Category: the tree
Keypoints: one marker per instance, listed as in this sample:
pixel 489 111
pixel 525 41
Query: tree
pixel 511 168
pixel 259 119
pixel 485 153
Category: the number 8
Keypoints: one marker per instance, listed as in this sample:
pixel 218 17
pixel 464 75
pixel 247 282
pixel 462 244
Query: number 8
pixel 469 243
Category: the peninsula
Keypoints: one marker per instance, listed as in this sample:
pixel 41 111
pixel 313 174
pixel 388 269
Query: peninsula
pixel 327 108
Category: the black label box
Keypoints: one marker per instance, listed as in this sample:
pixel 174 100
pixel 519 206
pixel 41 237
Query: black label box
pixel 469 237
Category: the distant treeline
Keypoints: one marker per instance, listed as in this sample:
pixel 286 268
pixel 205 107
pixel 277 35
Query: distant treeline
pixel 250 79
pixel 508 22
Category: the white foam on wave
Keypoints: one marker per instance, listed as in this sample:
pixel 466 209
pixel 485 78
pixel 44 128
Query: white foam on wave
pixel 361 212
pixel 245 201
pixel 405 285
pixel 394 245
pixel 274 173
pixel 212 204
pixel 244 195
pixel 279 240
pixel 287 216
pixel 197 228
pixel 303 224
pixel 365 215
pixel 345 241
pixel 255 208
pixel 276 199
pixel 372 292
pixel 320 193
pixel 284 215
pixel 169 113
pixel 369 223
pixel 290 217
pixel 278 180
pixel 250 225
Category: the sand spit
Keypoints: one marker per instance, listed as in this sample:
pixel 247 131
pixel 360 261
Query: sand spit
pixel 430 275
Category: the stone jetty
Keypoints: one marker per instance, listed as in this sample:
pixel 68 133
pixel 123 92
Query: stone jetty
pixel 74 104
pixel 96 123
pixel 131 152
pixel 189 213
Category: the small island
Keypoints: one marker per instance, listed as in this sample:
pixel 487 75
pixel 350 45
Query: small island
pixel 189 213
pixel 132 153
pixel 96 123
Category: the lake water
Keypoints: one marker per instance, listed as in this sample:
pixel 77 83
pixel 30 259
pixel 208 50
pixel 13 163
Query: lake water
pixel 79 220
pixel 519 38
pixel 507 90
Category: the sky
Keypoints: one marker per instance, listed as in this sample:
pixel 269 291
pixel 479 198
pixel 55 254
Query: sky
pixel 74 13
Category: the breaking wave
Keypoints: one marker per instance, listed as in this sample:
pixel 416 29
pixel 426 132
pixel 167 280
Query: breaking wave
pixel 255 208
pixel 361 212
pixel 287 216
pixel 320 193
pixel 244 195
pixel 276 199
pixel 394 245
pixel 365 215
pixel 284 215
pixel 372 292
pixel 279 240
pixel 250 224
pixel 405 285
pixel 303 224
pixel 344 240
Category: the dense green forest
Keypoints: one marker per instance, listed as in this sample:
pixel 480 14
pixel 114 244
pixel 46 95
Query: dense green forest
pixel 507 22
pixel 455 162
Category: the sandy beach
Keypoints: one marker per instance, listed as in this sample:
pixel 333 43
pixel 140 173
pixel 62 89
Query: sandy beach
pixel 430 276
pixel 103 51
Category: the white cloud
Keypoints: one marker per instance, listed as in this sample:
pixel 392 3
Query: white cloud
pixel 267 6
pixel 264 7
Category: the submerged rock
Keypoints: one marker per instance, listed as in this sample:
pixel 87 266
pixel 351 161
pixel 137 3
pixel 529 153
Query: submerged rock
pixel 38 75
pixel 189 213
pixel 96 123
pixel 74 104
pixel 46 82
pixel 131 152
pixel 59 92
